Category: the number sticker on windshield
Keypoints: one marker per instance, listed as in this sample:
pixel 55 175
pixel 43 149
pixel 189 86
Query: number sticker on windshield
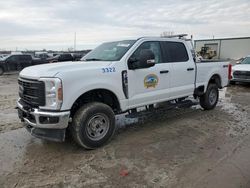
pixel 123 45
pixel 108 70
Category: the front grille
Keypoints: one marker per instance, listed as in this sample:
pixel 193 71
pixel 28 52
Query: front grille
pixel 32 92
pixel 242 74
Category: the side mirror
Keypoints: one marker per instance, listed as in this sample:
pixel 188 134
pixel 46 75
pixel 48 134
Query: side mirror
pixel 146 59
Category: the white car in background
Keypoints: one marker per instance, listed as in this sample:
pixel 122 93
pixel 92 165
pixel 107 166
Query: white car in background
pixel 241 72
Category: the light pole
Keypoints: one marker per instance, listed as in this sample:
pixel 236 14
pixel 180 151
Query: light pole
pixel 75 42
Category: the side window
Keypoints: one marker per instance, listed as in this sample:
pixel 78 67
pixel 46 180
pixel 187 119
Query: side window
pixel 61 57
pixel 65 56
pixel 29 58
pixel 26 58
pixel 175 52
pixel 153 46
pixel 12 58
pixel 68 56
pixel 21 58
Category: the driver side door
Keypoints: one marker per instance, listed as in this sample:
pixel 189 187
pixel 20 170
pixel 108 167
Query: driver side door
pixel 149 85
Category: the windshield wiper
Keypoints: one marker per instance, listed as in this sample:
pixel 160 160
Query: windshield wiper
pixel 93 59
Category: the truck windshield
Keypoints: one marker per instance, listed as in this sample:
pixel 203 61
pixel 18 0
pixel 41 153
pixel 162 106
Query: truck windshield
pixel 246 61
pixel 110 51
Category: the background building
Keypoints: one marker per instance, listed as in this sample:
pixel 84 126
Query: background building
pixel 226 48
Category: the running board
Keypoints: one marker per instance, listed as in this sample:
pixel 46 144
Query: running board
pixel 162 107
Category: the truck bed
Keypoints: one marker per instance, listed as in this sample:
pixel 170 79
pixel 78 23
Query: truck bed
pixel 205 70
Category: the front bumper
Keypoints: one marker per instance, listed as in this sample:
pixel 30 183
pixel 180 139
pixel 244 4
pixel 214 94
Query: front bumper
pixel 240 75
pixel 240 80
pixel 44 124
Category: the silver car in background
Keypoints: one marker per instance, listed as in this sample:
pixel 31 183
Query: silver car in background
pixel 241 71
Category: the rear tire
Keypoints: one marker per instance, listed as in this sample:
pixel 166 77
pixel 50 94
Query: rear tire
pixel 209 100
pixel 93 125
pixel 1 71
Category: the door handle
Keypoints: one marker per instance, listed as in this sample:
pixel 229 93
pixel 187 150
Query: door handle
pixel 190 69
pixel 164 71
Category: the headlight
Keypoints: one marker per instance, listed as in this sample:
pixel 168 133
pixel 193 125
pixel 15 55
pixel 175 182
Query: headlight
pixel 53 93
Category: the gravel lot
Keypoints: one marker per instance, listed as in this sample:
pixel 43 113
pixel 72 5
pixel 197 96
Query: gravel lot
pixel 177 148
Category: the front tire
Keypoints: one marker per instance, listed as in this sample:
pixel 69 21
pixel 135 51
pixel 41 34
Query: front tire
pixel 93 125
pixel 209 100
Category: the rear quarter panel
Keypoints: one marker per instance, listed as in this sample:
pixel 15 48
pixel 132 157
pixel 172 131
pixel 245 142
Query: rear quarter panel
pixel 205 70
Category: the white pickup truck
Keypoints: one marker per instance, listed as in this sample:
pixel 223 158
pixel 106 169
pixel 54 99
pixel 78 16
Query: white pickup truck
pixel 116 77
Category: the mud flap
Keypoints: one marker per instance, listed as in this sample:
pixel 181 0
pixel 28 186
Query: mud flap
pixel 56 135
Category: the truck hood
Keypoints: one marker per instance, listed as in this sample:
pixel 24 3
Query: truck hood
pixel 241 67
pixel 52 69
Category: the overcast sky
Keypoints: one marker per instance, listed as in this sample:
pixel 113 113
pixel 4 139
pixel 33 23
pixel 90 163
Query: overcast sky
pixel 51 24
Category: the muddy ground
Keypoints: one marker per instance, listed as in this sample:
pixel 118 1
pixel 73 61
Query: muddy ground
pixel 8 96
pixel 178 148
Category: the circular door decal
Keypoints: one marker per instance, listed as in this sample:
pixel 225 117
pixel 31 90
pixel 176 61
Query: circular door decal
pixel 151 80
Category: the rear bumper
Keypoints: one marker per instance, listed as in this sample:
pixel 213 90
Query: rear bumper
pixel 240 80
pixel 44 124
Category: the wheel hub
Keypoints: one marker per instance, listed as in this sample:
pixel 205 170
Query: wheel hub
pixel 212 97
pixel 97 126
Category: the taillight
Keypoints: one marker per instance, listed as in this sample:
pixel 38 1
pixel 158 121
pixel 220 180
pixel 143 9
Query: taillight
pixel 229 71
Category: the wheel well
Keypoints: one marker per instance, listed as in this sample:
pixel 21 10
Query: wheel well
pixel 215 79
pixel 97 95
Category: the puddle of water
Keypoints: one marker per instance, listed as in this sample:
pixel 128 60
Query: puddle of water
pixel 12 148
pixel 18 147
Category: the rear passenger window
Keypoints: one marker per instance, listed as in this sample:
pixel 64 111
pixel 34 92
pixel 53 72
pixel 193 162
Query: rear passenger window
pixel 68 56
pixel 175 52
pixel 23 57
